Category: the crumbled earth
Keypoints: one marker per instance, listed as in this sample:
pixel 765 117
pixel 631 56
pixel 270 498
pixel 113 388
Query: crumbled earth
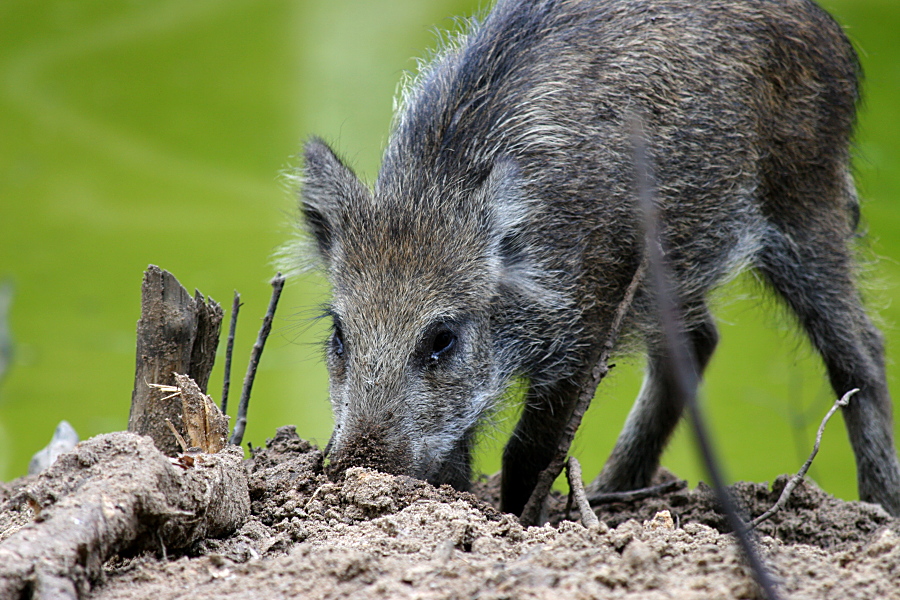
pixel 374 535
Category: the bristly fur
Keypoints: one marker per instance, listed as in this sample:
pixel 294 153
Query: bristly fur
pixel 298 254
pixel 502 229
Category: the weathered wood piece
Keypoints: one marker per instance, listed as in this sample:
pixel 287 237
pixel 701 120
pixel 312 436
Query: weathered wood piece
pixel 206 426
pixel 117 492
pixel 203 352
pixel 175 334
pixel 64 439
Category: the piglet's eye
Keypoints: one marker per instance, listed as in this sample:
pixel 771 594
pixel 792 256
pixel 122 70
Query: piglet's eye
pixel 443 342
pixel 337 342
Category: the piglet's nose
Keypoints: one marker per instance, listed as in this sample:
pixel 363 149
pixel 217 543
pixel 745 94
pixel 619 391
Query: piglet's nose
pixel 370 447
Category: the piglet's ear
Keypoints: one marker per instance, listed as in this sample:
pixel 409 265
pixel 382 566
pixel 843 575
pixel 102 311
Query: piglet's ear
pixel 507 212
pixel 328 188
pixel 513 216
pixel 504 196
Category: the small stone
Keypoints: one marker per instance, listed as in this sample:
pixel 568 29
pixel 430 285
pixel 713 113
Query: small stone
pixel 660 521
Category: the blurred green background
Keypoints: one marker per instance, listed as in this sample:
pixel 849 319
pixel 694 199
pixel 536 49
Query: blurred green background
pixel 136 132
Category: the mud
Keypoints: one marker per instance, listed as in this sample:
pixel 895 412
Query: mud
pixel 374 535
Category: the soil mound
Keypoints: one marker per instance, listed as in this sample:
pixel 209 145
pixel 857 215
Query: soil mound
pixel 374 535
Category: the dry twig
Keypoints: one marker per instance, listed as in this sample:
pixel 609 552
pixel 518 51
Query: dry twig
pixel 237 435
pixel 178 437
pixel 229 350
pixel 598 498
pixel 576 490
pixel 796 479
pixel 531 511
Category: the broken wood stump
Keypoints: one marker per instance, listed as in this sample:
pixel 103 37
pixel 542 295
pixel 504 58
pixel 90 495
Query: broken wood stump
pixel 175 334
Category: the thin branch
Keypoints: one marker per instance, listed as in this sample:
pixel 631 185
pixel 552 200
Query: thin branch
pixel 576 490
pixel 237 436
pixel 599 498
pixel 229 350
pixel 680 362
pixel 532 509
pixel 796 479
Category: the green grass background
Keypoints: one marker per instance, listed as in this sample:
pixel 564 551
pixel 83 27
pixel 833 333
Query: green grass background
pixel 155 132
